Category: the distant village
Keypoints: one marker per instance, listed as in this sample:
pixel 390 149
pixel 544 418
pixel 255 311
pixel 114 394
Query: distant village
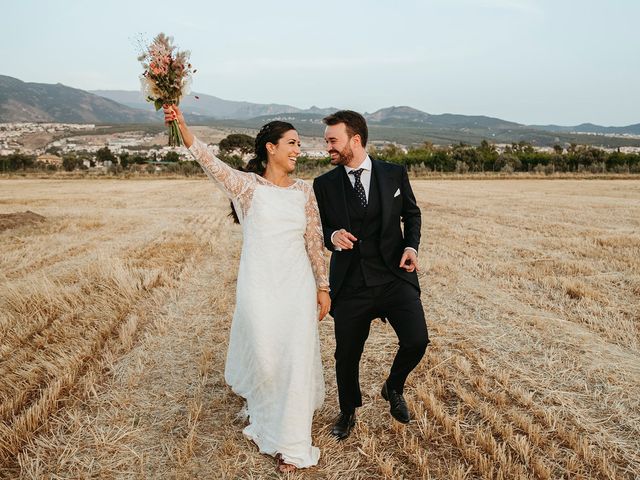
pixel 86 139
pixel 43 141
pixel 79 139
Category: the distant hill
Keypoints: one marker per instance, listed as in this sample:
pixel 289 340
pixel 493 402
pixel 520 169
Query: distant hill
pixel 396 117
pixel 409 126
pixel 37 102
pixel 591 128
pixel 41 102
pixel 210 106
pixel 409 116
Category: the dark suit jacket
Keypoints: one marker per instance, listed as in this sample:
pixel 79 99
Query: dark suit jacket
pixel 330 192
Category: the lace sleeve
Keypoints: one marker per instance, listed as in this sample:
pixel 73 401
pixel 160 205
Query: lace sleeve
pixel 238 185
pixel 314 241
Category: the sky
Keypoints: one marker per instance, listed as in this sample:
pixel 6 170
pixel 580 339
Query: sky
pixel 530 61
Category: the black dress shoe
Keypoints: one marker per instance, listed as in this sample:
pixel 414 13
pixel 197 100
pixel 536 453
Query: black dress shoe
pixel 344 424
pixel 399 409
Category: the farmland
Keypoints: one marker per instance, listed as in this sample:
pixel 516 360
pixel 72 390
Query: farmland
pixel 116 298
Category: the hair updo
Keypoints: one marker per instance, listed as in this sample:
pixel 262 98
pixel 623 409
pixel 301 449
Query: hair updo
pixel 271 132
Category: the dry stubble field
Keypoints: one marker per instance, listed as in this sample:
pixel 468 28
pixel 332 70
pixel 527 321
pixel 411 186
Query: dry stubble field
pixel 114 315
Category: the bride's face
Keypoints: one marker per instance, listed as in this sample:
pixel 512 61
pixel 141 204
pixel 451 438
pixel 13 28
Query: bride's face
pixel 285 153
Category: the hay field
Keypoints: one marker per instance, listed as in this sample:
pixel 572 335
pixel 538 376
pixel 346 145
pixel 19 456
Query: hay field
pixel 114 314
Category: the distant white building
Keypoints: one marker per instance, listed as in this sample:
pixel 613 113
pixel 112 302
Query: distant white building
pixel 315 153
pixel 50 159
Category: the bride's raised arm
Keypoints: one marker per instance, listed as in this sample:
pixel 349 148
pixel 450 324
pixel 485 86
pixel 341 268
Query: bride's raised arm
pixel 237 185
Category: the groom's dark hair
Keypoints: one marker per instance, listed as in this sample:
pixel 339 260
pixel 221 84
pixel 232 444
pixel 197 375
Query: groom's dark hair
pixel 355 123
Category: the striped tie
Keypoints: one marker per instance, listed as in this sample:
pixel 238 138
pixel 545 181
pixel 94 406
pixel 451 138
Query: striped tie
pixel 359 188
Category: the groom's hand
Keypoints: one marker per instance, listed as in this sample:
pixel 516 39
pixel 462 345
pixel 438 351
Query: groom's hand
pixel 409 260
pixel 343 239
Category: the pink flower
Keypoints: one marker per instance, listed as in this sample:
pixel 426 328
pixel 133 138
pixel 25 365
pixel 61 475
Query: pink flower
pixel 167 74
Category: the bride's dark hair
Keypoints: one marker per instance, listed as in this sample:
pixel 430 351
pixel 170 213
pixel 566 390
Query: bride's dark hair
pixel 272 132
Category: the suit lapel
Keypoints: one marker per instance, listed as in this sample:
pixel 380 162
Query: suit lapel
pixel 342 195
pixel 386 192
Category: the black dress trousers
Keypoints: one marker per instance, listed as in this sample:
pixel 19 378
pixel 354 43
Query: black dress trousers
pixel 356 307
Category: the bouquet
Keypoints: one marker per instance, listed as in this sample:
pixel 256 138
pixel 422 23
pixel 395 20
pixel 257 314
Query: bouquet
pixel 166 78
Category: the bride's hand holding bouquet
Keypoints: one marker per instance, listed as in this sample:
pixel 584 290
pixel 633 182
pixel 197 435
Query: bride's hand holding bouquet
pixel 173 116
pixel 166 79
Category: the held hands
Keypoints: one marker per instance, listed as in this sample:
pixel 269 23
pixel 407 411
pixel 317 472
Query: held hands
pixel 343 239
pixel 324 302
pixel 409 261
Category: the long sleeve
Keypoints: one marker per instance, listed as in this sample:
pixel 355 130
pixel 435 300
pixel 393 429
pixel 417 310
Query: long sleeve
pixel 314 241
pixel 327 230
pixel 238 186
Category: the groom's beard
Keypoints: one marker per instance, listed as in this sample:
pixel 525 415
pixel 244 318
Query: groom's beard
pixel 344 157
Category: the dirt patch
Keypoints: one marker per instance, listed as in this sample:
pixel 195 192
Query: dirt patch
pixel 14 220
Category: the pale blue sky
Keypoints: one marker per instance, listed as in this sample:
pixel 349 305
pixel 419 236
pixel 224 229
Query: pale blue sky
pixel 530 61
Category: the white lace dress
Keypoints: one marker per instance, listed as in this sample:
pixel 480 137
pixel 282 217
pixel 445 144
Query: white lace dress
pixel 273 359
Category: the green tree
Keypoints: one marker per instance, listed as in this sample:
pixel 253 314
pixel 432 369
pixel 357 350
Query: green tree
pixel 488 155
pixel 237 141
pixel 17 161
pixel 138 159
pixel 508 162
pixel 104 154
pixel 172 157
pixel 464 154
pixel 124 159
pixel 69 162
pixel 441 161
pixel 391 153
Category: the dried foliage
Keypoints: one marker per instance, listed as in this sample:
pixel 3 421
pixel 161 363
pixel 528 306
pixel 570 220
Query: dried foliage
pixel 114 316
pixel 166 78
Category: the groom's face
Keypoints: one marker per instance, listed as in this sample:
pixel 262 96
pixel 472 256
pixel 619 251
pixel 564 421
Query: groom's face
pixel 338 144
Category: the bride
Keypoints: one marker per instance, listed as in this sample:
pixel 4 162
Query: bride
pixel 273 360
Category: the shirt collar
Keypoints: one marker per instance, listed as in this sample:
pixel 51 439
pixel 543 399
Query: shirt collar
pixel 365 165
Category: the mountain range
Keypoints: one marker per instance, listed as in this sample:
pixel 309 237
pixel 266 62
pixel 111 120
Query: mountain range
pixel 41 102
pixel 38 102
pixel 210 106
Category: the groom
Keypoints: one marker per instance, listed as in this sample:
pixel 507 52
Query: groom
pixel 373 266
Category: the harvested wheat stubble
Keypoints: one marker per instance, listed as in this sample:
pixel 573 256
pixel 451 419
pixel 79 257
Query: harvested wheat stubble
pixel 530 290
pixel 15 220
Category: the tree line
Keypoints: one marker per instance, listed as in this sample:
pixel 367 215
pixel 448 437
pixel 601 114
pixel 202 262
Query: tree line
pixel 461 158
pixel 517 157
pixel 82 160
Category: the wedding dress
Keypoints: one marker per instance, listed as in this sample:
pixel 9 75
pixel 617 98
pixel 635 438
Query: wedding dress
pixel 273 360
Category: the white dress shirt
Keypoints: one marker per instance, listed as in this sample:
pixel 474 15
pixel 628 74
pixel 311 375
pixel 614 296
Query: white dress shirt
pixel 365 177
